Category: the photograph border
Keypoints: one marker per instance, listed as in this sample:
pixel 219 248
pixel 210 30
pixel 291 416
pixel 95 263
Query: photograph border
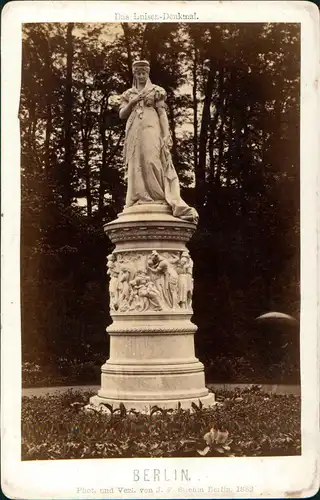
pixel 272 477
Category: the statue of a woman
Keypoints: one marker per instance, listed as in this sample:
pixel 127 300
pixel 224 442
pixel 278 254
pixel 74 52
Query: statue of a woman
pixel 166 277
pixel 151 175
pixel 113 272
pixel 185 281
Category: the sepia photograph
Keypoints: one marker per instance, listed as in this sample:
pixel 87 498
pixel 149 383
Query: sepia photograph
pixel 160 247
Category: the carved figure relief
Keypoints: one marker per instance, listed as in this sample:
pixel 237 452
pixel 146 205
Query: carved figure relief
pixel 144 294
pixel 165 277
pixel 150 281
pixel 185 281
pixel 113 272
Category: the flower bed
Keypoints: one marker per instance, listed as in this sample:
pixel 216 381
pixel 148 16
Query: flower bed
pixel 246 423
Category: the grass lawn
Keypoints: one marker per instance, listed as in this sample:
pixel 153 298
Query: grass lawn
pixel 246 423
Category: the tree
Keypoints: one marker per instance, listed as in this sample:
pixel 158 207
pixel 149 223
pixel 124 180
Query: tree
pixel 233 107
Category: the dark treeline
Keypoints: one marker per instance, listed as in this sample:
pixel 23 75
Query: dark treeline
pixel 233 107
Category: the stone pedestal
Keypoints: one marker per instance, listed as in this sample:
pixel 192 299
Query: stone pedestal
pixel 152 359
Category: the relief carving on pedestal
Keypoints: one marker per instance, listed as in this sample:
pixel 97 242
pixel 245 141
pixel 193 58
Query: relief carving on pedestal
pixel 150 281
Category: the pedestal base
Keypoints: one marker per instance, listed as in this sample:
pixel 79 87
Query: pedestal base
pixel 145 406
pixel 152 357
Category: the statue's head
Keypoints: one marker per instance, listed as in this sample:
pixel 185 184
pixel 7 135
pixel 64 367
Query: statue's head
pixel 184 257
pixel 141 71
pixel 141 272
pixel 154 257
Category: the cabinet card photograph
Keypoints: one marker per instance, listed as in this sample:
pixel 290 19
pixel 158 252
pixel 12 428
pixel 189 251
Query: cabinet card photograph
pixel 159 266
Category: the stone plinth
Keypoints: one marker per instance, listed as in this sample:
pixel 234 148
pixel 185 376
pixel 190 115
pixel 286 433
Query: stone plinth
pixel 152 358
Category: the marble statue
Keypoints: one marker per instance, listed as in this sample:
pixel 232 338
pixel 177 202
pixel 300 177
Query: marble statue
pixel 151 176
pixel 152 355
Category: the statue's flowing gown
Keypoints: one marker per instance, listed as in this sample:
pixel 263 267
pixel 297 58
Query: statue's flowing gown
pixel 151 176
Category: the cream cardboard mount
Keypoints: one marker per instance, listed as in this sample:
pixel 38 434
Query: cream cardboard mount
pixel 152 358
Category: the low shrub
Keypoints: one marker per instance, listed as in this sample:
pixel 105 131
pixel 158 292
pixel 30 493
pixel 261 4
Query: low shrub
pixel 224 369
pixel 61 372
pixel 245 423
pixel 248 369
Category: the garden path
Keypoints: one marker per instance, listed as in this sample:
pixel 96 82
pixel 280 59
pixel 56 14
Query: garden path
pixel 274 389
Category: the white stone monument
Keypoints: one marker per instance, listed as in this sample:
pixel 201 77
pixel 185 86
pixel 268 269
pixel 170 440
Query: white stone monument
pixel 152 359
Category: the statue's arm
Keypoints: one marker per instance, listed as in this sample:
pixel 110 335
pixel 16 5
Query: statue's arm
pixel 125 111
pixel 160 104
pixel 155 269
pixel 164 123
pixel 127 106
pixel 174 259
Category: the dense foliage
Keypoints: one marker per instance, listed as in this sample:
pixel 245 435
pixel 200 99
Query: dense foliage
pixel 221 369
pixel 233 106
pixel 250 423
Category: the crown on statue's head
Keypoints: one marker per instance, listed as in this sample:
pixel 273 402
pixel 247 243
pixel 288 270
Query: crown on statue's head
pixel 140 65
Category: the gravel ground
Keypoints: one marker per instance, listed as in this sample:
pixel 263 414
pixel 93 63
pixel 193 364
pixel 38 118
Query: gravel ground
pixel 273 389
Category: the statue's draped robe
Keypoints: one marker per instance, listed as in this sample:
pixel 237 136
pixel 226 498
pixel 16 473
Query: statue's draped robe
pixel 151 176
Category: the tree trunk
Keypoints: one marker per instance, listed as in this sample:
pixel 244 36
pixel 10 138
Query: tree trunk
pixel 244 173
pixel 147 29
pixel 86 129
pixel 214 125
pixel 105 164
pixel 127 36
pixel 221 144
pixel 87 174
pixel 103 167
pixel 31 137
pixel 200 173
pixel 48 129
pixel 195 109
pixel 67 173
pixel 231 151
